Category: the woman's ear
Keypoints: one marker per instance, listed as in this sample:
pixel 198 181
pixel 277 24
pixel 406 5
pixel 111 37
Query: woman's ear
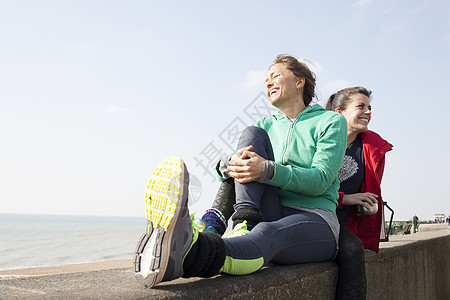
pixel 338 110
pixel 300 82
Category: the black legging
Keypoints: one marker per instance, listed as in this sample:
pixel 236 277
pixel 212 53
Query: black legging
pixel 351 282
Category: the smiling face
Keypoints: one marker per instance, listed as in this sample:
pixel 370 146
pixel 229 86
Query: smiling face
pixel 358 113
pixel 282 85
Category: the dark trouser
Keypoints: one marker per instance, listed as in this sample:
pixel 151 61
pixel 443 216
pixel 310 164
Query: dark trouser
pixel 286 235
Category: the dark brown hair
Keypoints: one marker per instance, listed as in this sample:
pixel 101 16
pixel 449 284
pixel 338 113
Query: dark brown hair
pixel 299 69
pixel 340 99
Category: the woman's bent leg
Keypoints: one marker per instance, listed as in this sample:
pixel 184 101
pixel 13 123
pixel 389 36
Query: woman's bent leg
pixel 225 198
pixel 257 202
pixel 216 218
pixel 256 196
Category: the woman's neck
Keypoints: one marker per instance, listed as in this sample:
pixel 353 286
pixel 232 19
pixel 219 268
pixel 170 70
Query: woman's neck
pixel 351 137
pixel 293 109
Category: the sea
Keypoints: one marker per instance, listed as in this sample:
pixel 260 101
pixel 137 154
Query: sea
pixel 52 240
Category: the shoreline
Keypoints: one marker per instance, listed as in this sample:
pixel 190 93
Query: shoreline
pixel 65 269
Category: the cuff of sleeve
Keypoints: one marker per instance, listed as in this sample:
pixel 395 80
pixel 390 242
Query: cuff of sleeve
pixel 223 167
pixel 281 176
pixel 269 170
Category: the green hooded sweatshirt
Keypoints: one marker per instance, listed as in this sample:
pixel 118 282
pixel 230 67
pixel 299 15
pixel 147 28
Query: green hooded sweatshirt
pixel 308 155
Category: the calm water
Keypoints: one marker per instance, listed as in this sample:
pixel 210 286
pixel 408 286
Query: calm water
pixel 51 240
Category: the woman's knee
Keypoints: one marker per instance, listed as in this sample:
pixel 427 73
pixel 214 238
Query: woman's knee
pixel 265 228
pixel 253 132
pixel 349 244
pixel 263 233
pixel 260 140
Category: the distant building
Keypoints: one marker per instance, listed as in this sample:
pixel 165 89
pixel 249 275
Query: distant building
pixel 439 218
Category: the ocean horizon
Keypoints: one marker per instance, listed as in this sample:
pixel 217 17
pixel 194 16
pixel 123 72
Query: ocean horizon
pixel 29 240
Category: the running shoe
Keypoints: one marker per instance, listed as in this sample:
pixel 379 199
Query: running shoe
pixel 239 230
pixel 169 236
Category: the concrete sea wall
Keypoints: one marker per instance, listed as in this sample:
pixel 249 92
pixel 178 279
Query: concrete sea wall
pixel 413 266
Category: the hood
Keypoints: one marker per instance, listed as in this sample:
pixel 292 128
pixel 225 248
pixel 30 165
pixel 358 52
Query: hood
pixel 310 111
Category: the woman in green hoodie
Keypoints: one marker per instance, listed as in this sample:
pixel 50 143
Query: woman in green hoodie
pixel 286 181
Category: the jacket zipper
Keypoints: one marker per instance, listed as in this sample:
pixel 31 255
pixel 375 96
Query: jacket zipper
pixel 287 143
pixel 283 160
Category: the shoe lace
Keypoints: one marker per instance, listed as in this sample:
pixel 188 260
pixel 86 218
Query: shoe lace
pixel 239 230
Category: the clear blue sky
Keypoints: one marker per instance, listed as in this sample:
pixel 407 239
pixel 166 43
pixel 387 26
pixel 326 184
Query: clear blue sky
pixel 93 94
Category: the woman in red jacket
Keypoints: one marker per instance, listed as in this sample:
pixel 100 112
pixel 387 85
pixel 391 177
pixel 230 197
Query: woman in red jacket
pixel 360 176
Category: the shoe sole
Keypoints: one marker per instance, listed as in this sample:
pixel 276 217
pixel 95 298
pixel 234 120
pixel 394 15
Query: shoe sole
pixel 163 201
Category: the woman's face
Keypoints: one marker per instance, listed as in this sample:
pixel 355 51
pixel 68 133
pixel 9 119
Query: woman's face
pixel 358 113
pixel 282 84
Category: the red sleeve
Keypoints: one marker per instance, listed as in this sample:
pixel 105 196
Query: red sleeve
pixel 380 169
pixel 341 199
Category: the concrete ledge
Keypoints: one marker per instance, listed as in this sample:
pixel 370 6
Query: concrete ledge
pixel 407 267
pixel 413 266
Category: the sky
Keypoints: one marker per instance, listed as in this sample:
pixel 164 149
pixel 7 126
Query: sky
pixel 94 94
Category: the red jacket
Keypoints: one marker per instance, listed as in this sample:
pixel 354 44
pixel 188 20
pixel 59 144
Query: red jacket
pixel 367 228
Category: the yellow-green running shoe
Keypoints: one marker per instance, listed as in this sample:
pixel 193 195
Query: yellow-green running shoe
pixel 239 230
pixel 161 250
